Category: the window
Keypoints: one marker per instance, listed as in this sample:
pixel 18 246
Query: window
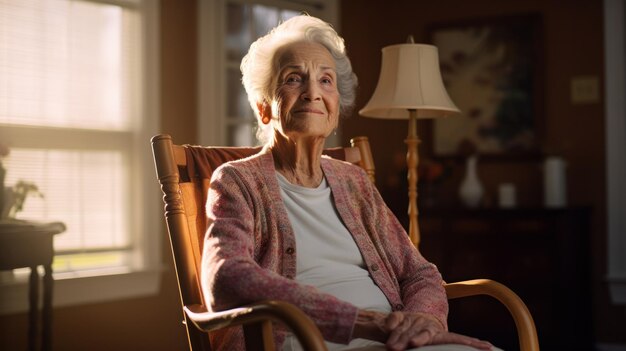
pixel 228 27
pixel 244 24
pixel 75 97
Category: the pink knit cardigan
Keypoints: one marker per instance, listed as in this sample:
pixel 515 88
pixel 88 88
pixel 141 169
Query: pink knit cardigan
pixel 249 250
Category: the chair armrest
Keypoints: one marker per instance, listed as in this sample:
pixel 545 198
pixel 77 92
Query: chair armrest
pixel 524 323
pixel 278 311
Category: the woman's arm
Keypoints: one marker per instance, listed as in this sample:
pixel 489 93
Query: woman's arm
pixel 420 283
pixel 422 319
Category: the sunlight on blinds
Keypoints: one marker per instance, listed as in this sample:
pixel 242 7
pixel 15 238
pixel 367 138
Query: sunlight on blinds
pixel 63 63
pixel 84 189
pixel 70 90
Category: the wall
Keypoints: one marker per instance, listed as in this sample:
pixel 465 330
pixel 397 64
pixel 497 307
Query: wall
pixel 573 46
pixel 150 323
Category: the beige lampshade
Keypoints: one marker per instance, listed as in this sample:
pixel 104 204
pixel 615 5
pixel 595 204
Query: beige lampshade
pixel 409 79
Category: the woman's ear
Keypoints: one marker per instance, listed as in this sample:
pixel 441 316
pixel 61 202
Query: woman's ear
pixel 265 111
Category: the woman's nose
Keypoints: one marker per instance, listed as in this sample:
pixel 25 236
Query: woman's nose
pixel 311 91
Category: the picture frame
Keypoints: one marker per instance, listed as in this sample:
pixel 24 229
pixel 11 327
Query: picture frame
pixel 492 70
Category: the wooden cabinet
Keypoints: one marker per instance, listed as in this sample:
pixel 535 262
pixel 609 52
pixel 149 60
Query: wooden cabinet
pixel 542 254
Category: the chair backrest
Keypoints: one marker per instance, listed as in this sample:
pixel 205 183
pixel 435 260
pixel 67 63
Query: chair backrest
pixel 184 172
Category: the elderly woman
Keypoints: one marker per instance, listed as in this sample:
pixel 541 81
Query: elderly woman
pixel 292 225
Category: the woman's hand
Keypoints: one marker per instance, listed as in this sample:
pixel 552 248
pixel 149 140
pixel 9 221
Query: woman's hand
pixel 401 330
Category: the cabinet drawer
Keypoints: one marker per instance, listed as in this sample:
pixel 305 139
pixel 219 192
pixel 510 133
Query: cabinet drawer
pixel 470 226
pixel 530 226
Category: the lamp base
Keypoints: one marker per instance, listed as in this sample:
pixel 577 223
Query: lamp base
pixel 412 160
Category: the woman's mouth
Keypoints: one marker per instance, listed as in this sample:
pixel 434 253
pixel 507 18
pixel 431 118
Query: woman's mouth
pixel 308 110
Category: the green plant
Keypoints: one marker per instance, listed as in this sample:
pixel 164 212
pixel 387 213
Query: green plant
pixel 19 193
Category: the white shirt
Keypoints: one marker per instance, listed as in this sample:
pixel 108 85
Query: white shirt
pixel 327 256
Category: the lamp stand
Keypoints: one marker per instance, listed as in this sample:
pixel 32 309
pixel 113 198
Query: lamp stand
pixel 412 160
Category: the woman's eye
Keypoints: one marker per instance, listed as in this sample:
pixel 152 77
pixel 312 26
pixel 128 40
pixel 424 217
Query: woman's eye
pixel 327 80
pixel 293 79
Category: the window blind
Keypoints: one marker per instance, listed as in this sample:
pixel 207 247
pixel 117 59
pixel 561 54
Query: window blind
pixel 70 107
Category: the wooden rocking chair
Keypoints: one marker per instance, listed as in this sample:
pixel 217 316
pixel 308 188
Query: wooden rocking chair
pixel 184 173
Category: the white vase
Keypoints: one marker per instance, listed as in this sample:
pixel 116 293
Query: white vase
pixel 471 190
pixel 554 182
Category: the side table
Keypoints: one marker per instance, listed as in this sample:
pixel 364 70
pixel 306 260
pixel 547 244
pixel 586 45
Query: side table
pixel 29 244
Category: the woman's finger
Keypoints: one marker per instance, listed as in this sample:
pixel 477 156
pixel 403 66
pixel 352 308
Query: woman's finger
pixel 419 333
pixel 424 333
pixel 393 320
pixel 396 334
pixel 453 338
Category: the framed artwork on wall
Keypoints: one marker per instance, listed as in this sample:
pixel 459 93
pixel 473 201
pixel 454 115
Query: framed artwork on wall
pixel 492 70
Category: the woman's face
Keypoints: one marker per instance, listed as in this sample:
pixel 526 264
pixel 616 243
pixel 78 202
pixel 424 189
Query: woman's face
pixel 306 100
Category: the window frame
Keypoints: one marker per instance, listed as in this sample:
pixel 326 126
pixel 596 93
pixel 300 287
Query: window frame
pixel 615 87
pixel 83 287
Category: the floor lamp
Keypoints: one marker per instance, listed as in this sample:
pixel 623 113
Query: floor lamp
pixel 410 87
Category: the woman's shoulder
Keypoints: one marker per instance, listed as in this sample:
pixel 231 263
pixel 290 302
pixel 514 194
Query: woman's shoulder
pixel 343 169
pixel 248 166
pixel 251 161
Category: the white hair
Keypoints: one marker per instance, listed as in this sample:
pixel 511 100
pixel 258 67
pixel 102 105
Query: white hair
pixel 259 67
